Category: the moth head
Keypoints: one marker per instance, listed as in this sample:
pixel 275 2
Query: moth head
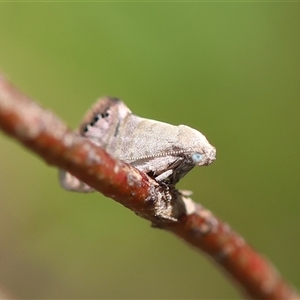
pixel 202 153
pixel 205 158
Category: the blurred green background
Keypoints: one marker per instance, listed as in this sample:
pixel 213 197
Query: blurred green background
pixel 230 70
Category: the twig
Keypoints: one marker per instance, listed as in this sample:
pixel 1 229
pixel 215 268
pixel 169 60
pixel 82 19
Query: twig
pixel 43 133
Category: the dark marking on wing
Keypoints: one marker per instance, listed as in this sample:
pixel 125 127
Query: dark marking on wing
pixel 117 128
pixel 105 115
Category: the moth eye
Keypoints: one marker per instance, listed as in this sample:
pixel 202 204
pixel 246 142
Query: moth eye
pixel 196 157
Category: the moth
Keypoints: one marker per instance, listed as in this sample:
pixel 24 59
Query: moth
pixel 165 152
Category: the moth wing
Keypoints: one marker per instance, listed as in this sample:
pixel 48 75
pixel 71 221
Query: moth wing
pixel 101 107
pixel 71 183
pixel 156 165
pixel 102 122
pixel 100 125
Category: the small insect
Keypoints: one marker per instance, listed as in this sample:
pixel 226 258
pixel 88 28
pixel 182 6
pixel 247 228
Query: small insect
pixel 165 152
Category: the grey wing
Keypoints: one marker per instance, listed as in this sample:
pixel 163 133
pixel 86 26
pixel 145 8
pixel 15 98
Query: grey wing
pixel 148 139
pixel 100 125
pixel 103 122
pixel 71 183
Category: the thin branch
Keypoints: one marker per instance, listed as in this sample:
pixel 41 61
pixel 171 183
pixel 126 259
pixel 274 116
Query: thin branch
pixel 43 133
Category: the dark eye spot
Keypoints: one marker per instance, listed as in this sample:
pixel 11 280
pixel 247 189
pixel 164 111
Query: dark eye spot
pixel 96 118
pixel 105 115
pixel 85 129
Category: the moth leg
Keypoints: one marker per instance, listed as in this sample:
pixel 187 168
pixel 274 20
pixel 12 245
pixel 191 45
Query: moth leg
pixel 71 183
pixel 185 193
pixel 163 176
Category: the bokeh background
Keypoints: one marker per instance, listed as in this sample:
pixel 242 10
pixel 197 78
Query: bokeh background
pixel 230 70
